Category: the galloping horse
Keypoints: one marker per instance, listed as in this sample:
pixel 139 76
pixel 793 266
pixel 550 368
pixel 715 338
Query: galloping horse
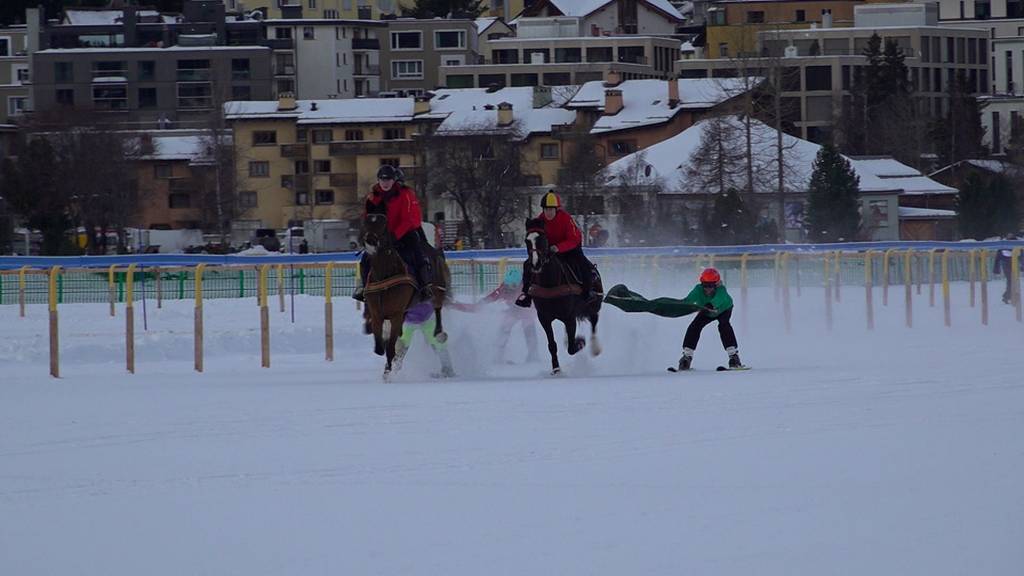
pixel 390 289
pixel 556 294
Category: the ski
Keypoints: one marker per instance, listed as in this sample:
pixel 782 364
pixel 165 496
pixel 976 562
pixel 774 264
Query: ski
pixel 727 369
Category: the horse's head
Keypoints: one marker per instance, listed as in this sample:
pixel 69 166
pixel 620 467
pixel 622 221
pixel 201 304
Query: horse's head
pixel 537 244
pixel 375 233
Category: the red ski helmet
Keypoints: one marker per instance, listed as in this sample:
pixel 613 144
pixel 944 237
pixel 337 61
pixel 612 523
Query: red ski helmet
pixel 710 276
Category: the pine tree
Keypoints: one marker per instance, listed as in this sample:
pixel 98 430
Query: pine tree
pixel 958 135
pixel 986 209
pixel 447 8
pixel 730 222
pixel 832 203
pixel 34 189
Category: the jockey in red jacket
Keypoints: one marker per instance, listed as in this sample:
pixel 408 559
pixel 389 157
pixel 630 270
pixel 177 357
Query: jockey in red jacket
pixel 565 240
pixel 391 197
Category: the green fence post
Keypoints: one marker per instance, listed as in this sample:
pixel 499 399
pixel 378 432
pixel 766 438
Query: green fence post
pixel 480 279
pixel 60 288
pixel 181 285
pixel 302 280
pixel 120 288
pixel 241 283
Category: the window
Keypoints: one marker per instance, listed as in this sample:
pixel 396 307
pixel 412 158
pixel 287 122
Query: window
pixel 5 46
pixel 22 75
pixel 723 50
pixel 623 147
pixel 450 39
pixel 284 64
pixel 302 167
pixel 394 133
pixel 283 33
pixel 459 60
pixel 179 200
pixel 801 16
pixel 147 97
pixel 331 15
pixel 322 136
pixel 65 97
pixel 325 196
pixel 63 71
pixel 549 151
pixel 322 166
pixel 195 95
pixel 240 69
pixel 407 69
pixel 17 105
pixel 353 134
pixel 264 138
pixel 312 4
pixel 112 69
pixel 997 145
pixel 396 162
pixel 878 214
pixel 308 33
pixel 241 92
pixel 301 135
pixel 755 17
pixel 247 200
pixel 110 96
pixel 301 198
pixel 818 78
pixel 259 169
pixel 407 40
pixel 163 171
pixel 285 85
pixel 193 70
pixel 147 71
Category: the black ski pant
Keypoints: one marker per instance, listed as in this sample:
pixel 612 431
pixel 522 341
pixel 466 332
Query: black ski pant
pixel 576 260
pixel 701 320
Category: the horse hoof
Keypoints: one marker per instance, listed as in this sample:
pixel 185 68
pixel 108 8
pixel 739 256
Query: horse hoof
pixel 387 376
pixel 556 371
pixel 441 337
pixel 578 344
pixel 595 347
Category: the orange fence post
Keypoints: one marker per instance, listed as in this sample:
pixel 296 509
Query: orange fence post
pixel 21 290
pixel 971 272
pixel 198 340
pixel 262 283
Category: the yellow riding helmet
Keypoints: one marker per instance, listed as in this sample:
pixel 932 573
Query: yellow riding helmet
pixel 550 200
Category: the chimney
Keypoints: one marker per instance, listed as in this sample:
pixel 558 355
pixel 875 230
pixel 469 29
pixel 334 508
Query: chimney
pixel 612 78
pixel 826 18
pixel 673 92
pixel 421 105
pixel 612 101
pixel 286 102
pixel 504 114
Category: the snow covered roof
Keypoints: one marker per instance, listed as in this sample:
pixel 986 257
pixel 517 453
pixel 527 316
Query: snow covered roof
pixel 645 102
pixel 908 213
pixel 482 24
pixel 178 145
pixel 994 166
pixel 475 109
pixel 347 111
pixel 583 8
pixel 668 161
pixel 110 17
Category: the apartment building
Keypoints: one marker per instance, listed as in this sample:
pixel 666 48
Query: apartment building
pixel 413 51
pixel 647 17
pixel 1002 18
pixel 322 59
pixel 330 9
pixel 15 75
pixel 565 61
pixel 176 169
pixel 819 64
pixel 732 25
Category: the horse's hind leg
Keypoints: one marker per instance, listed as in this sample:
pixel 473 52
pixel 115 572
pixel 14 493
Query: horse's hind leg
pixel 575 343
pixel 595 345
pixel 439 333
pixel 552 345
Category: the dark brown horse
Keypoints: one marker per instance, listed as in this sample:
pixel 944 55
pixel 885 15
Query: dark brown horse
pixel 391 289
pixel 557 295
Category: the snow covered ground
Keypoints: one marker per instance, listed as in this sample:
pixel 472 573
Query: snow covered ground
pixel 891 452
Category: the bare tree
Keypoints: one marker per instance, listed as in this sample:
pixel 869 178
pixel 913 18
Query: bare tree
pixel 719 162
pixel 637 191
pixel 480 169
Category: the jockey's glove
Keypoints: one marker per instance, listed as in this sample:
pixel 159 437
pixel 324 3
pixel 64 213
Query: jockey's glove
pixel 553 249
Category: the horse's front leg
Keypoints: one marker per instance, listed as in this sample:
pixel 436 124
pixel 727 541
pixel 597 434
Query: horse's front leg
pixel 391 332
pixel 439 333
pixel 595 346
pixel 545 323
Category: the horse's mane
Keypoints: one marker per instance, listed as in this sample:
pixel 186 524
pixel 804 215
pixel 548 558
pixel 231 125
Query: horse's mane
pixel 535 225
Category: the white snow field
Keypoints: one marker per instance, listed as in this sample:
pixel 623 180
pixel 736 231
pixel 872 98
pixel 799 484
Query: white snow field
pixel 895 451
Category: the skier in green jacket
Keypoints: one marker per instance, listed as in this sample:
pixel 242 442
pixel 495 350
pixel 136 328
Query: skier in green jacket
pixel 716 304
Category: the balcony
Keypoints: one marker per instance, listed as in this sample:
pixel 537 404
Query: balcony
pixel 181 185
pixel 279 43
pixel 194 75
pixel 367 69
pixel 343 180
pixel 365 44
pixel 296 182
pixel 294 150
pixel 359 147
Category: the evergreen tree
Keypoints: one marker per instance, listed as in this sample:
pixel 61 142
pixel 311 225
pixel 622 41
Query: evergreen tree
pixel 958 135
pixel 447 9
pixel 730 223
pixel 832 198
pixel 34 190
pixel 986 209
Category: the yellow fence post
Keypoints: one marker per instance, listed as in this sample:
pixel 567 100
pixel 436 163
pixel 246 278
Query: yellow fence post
pixel 786 310
pixel 983 284
pixel 1015 284
pixel 262 283
pixel 21 290
pixel 946 314
pixel 129 319
pixel 776 280
pixel 328 313
pixel 839 273
pixel 931 277
pixel 359 281
pixel 971 272
pixel 796 266
pixel 743 290
pixel 828 292
pixel 867 290
pixel 502 265
pixel 885 276
pixel 198 349
pixel 112 289
pixel 908 281
pixel 920 273
pixel 54 328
